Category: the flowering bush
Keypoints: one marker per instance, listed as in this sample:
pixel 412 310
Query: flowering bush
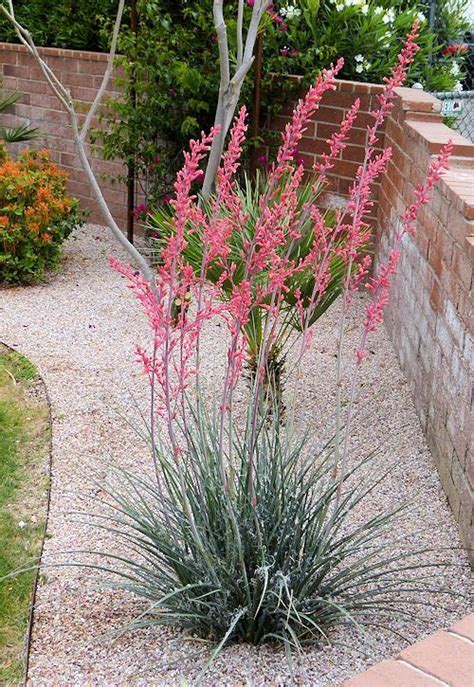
pixel 36 216
pixel 306 35
pixel 298 287
pixel 244 531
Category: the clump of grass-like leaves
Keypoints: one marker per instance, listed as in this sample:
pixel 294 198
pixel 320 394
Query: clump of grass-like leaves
pixel 285 570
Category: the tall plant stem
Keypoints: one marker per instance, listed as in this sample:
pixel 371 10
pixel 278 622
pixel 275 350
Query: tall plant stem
pixel 230 86
pixel 131 172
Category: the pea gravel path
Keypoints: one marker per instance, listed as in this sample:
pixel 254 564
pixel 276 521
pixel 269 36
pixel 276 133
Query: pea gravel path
pixel 80 329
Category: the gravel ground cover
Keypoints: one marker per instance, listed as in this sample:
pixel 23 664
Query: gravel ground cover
pixel 80 329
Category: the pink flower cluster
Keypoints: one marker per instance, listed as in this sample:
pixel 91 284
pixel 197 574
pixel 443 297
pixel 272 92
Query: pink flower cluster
pixel 181 301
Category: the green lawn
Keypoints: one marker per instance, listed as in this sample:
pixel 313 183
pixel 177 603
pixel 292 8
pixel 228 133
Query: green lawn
pixel 24 447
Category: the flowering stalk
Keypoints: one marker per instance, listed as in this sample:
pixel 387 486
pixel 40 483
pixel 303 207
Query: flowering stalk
pixel 379 288
pixel 263 269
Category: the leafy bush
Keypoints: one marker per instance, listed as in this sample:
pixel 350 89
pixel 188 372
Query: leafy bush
pixel 74 24
pixel 366 34
pixel 36 216
pixel 171 66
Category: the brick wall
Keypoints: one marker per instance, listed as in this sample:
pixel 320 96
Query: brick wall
pixel 81 73
pixel 325 122
pixel 430 315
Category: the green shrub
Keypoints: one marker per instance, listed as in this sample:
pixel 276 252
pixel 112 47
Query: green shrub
pixel 36 216
pixel 74 24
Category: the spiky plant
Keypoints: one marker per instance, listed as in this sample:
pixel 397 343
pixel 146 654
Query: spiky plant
pixel 286 570
pixel 20 133
pixel 251 194
pixel 244 532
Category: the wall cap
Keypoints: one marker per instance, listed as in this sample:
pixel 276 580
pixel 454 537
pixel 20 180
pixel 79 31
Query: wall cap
pixel 57 52
pixel 417 100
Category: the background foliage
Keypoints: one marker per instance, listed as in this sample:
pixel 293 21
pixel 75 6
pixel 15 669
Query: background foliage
pixel 72 24
pixel 171 67
pixel 173 52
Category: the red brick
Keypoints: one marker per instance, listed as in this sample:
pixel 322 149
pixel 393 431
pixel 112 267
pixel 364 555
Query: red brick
pixel 79 189
pixel 437 297
pixel 391 674
pixel 433 135
pixel 33 86
pixel 462 267
pixel 345 168
pixel 6 56
pixel 314 146
pixel 346 85
pixel 469 245
pixel 354 153
pixel 444 656
pixel 423 116
pixel 417 100
pixel 331 115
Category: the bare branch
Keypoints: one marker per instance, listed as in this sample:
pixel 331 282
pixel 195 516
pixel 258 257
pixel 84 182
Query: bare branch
pixel 240 37
pixel 27 40
pixel 107 74
pixel 222 41
pixel 230 88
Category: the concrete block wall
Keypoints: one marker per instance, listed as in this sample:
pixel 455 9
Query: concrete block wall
pixel 81 72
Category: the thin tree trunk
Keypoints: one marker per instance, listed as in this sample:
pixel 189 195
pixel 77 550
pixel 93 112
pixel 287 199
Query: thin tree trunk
pixel 257 102
pixel 131 166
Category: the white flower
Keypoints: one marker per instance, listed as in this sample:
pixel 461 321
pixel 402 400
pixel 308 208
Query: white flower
pixel 361 64
pixel 389 17
pixel 290 12
pixel 457 88
pixel 365 9
pixel 339 7
pixel 378 10
pixel 22 524
pixel 421 16
pixel 455 69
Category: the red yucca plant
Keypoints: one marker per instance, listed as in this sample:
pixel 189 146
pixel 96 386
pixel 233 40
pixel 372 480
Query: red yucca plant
pixel 243 533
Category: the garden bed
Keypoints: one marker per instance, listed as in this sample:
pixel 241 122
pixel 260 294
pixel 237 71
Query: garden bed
pixel 81 329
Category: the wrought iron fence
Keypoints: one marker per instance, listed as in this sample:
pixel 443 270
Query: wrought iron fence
pixel 458 109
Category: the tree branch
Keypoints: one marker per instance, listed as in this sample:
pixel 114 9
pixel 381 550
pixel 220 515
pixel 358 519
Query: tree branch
pixel 65 98
pixel 107 74
pixel 240 38
pixel 230 88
